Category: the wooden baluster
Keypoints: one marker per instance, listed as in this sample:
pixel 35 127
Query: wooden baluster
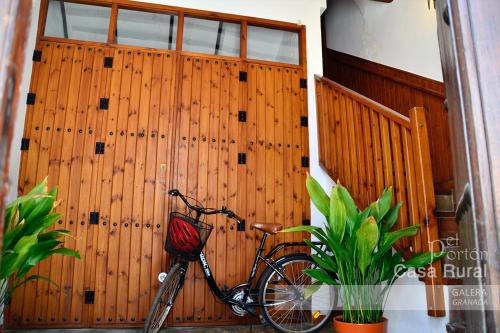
pixel 426 204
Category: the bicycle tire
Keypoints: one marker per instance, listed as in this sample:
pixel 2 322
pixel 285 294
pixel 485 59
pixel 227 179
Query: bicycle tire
pixel 165 296
pixel 270 274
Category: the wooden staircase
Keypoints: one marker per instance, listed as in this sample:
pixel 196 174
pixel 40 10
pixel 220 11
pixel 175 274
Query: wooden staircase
pixel 366 147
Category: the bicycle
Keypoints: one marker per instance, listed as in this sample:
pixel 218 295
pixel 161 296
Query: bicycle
pixel 279 292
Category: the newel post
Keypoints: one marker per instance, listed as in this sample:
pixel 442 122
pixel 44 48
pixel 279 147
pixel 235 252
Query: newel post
pixel 426 205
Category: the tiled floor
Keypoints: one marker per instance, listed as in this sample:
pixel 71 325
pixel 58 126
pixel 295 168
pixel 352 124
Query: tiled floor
pixel 225 329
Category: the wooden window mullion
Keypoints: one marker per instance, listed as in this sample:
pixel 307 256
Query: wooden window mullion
pixel 243 39
pixel 180 31
pixel 112 24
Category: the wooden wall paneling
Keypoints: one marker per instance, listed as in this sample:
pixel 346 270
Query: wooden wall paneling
pixel 182 164
pixel 43 168
pixel 213 308
pixel 222 236
pixel 132 199
pixel 117 247
pixel 268 139
pixel 260 172
pixel 121 205
pixel 75 281
pixel 298 202
pixel 63 301
pixel 252 146
pixel 146 166
pixel 50 308
pixel 377 153
pixel 202 291
pixel 233 276
pixel 279 114
pixel 26 309
pixel 103 306
pixel 84 145
pixel 93 164
pixel 288 151
pixel 242 195
pixel 150 180
pixel 15 310
pixel 192 302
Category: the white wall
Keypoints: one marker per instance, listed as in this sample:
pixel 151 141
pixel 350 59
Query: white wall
pixel 306 12
pixel 400 34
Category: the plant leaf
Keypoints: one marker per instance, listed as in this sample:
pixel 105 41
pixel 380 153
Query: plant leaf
pixel 366 240
pixel 423 259
pixel 320 275
pixel 318 196
pixel 338 215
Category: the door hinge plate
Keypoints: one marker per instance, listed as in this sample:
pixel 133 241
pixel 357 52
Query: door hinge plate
pixel 241 226
pixel 25 144
pixel 303 83
pixel 99 148
pixel 37 55
pixel 89 296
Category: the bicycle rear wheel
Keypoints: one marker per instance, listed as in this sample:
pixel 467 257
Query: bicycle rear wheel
pixel 285 305
pixel 165 297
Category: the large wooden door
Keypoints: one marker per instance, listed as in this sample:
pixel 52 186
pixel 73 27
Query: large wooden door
pixel 114 128
pixel 470 53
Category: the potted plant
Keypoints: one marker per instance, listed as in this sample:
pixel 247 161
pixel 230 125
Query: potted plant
pixel 357 255
pixel 27 239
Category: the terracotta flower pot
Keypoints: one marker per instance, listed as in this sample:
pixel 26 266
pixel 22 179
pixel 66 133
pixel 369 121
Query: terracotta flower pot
pixel 341 327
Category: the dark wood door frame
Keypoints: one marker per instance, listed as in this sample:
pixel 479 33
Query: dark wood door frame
pixel 469 41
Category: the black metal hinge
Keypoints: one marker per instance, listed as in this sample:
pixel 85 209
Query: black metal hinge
pixel 304 122
pixel 306 222
pixel 30 99
pixel 108 62
pixel 243 76
pixel 37 55
pixel 242 116
pixel 25 144
pixel 99 148
pixel 241 226
pixel 242 158
pixel 94 218
pixel 89 296
pixel 303 83
pixel 305 162
pixel 104 103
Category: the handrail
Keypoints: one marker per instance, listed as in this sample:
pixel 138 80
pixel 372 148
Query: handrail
pixel 368 147
pixel 390 113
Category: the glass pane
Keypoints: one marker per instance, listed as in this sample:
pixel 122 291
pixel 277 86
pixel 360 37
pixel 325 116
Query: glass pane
pixel 211 37
pixel 77 21
pixel 146 29
pixel 273 45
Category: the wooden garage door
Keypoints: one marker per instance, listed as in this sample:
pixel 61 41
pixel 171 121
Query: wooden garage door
pixel 114 128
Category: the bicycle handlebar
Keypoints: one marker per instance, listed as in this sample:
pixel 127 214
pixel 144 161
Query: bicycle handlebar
pixel 206 211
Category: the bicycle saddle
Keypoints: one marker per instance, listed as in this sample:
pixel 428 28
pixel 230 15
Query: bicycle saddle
pixel 270 228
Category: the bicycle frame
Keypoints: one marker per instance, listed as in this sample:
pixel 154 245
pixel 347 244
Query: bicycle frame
pixel 225 296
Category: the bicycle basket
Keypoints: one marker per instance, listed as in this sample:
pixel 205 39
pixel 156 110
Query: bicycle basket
pixel 186 237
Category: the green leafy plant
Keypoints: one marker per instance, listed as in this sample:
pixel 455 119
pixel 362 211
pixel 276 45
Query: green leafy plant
pixel 357 250
pixel 27 239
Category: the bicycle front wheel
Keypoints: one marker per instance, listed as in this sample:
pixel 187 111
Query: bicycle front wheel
pixel 165 297
pixel 286 306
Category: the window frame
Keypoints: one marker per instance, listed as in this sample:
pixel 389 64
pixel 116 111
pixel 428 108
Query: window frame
pixel 244 21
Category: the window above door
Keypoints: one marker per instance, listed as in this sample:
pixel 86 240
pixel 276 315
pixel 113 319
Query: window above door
pixel 130 23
